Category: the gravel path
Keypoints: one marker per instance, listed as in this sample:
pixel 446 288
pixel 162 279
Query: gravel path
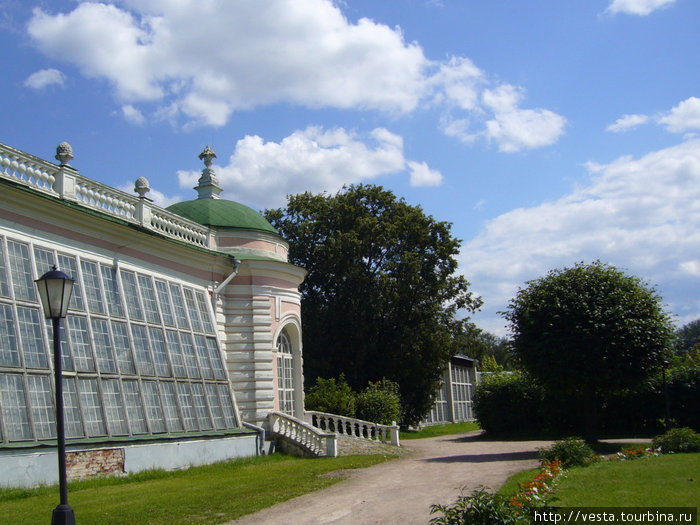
pixel 401 491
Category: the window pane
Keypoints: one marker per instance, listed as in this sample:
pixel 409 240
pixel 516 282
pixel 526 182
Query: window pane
pixel 215 405
pixel 192 310
pixel 204 313
pixel 179 305
pixel 148 297
pixel 44 260
pixel 80 344
pixel 185 397
pixel 190 357
pixel 114 302
pixel 172 417
pixel 121 345
pixel 71 410
pixel 9 354
pixel 227 406
pixel 20 271
pixel 103 346
pixel 66 358
pixel 160 355
pixel 176 353
pixel 153 408
pixel 131 294
pixel 203 355
pixel 93 292
pixel 144 362
pixel 134 407
pixel 215 358
pixel 4 288
pixel 40 400
pixel 200 405
pixel 114 408
pixel 66 264
pixel 90 405
pixel 30 335
pixel 164 302
pixel 14 407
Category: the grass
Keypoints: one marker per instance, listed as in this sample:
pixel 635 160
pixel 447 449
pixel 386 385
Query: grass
pixel 656 481
pixel 441 430
pixel 203 495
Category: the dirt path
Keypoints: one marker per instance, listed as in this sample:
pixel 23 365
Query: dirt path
pixel 401 491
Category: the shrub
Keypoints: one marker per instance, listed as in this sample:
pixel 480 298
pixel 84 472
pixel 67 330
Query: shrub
pixel 379 402
pixel 572 452
pixel 678 440
pixel 481 508
pixel 508 402
pixel 333 396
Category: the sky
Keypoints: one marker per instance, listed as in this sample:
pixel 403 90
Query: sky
pixel 547 133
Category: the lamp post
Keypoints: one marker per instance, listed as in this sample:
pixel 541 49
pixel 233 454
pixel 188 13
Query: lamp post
pixel 55 288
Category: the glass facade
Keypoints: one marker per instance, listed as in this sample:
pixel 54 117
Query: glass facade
pixel 140 354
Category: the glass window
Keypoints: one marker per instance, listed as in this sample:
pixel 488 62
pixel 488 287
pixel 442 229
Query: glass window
pixel 144 361
pixel 172 417
pixel 148 296
pixel 40 400
pixel 215 405
pixel 215 358
pixel 164 302
pixel 114 302
pixel 204 312
pixel 103 346
pixel 160 355
pixel 71 409
pixel 9 353
pixel 227 405
pixel 154 409
pixel 200 405
pixel 190 357
pixel 203 355
pixel 179 304
pixel 176 353
pixel 44 260
pixel 285 374
pixel 14 407
pixel 21 271
pixel 93 291
pixel 80 343
pixel 192 310
pixel 30 336
pixel 188 413
pixel 4 288
pixel 131 294
pixel 91 407
pixel 66 263
pixel 121 345
pixel 66 358
pixel 134 407
pixel 114 407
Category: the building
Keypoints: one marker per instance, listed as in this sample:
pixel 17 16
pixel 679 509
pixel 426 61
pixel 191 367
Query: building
pixel 183 332
pixel 453 401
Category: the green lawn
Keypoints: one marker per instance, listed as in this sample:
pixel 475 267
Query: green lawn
pixel 441 430
pixel 203 495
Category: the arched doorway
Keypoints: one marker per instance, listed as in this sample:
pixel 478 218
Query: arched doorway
pixel 285 374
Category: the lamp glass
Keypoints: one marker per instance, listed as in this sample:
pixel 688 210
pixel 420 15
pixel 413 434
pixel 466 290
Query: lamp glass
pixel 55 289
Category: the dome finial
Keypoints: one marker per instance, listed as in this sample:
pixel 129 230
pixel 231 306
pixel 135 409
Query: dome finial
pixel 208 185
pixel 64 153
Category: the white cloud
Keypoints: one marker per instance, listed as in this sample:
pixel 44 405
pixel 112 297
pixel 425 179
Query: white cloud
pixel 515 129
pixel 684 117
pixel 422 175
pixel 133 115
pixel 316 160
pixel 203 61
pixel 637 7
pixel 627 122
pixel 45 77
pixel 640 215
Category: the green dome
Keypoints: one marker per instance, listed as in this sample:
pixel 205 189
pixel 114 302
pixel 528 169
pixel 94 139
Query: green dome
pixel 220 213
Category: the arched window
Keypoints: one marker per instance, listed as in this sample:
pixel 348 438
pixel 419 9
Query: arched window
pixel 285 374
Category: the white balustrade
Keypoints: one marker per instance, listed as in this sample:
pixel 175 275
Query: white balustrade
pixel 304 435
pixel 352 427
pixel 27 169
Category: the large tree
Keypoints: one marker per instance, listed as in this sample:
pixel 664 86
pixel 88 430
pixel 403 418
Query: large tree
pixel 381 296
pixel 589 331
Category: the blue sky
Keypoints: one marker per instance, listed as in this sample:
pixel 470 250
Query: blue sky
pixel 548 133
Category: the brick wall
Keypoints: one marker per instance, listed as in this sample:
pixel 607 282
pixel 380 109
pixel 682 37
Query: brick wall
pixel 86 463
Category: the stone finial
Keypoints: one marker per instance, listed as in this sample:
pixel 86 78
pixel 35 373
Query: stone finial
pixel 142 186
pixel 208 185
pixel 64 153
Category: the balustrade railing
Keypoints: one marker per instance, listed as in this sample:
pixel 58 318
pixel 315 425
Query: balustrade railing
pixel 64 182
pixel 303 434
pixel 352 427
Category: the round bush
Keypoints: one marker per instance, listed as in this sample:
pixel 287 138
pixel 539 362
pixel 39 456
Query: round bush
pixel 379 403
pixel 508 403
pixel 678 440
pixel 572 452
pixel 333 396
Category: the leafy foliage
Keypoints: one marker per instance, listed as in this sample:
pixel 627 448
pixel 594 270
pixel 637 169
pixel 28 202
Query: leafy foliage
pixel 572 452
pixel 380 402
pixel 381 295
pixel 678 440
pixel 480 508
pixel 589 331
pixel 333 396
pixel 688 337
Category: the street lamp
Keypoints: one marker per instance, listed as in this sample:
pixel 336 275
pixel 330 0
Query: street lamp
pixel 55 288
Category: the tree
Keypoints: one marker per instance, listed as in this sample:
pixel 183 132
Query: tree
pixel 688 337
pixel 589 331
pixel 381 295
